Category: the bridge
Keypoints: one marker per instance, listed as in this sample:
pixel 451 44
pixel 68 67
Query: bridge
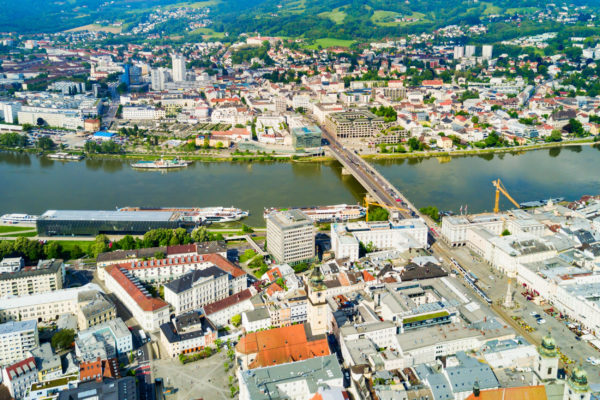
pixel 376 184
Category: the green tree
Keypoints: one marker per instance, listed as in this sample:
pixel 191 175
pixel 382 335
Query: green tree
pixel 236 320
pixel 555 136
pixel 200 234
pixel 506 232
pixel 63 339
pixel 44 143
pixel 100 245
pixel 53 250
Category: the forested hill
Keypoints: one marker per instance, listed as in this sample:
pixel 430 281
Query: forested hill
pixel 363 19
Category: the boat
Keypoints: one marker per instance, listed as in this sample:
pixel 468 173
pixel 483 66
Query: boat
pixel 199 215
pixel 65 156
pixel 540 203
pixel 335 213
pixel 18 219
pixel 161 164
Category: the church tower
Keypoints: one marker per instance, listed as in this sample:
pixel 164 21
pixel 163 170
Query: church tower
pixel 546 364
pixel 317 306
pixel 577 387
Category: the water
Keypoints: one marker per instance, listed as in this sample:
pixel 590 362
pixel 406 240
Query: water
pixel 447 183
pixel 31 184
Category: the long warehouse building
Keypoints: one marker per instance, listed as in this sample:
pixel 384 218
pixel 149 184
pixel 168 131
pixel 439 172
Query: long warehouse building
pixel 92 223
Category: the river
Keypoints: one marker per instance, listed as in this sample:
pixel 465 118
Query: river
pixel 31 184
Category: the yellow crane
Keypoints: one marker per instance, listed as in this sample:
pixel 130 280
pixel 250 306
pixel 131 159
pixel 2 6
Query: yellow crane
pixel 500 188
pixel 372 203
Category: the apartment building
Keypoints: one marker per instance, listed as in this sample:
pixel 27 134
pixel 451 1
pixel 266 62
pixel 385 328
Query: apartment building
pixel 44 307
pixel 150 312
pixel 47 276
pixel 290 237
pixel 19 376
pixel 454 228
pixel 220 312
pixel 113 333
pixel 16 339
pixel 196 289
pixel 354 124
pixel 94 308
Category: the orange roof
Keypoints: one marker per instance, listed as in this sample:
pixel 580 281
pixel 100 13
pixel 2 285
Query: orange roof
pixel 281 345
pixel 515 393
pixel 90 370
pixel 225 265
pixel 273 288
pixel 367 277
pixel 274 274
pixel 147 303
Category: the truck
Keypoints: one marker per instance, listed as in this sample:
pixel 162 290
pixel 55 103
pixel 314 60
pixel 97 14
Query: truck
pixel 142 336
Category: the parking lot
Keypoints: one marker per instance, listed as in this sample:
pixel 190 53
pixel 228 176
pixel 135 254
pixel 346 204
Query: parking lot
pixel 204 379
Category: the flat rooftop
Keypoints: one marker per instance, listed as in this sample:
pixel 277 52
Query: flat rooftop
pixel 98 215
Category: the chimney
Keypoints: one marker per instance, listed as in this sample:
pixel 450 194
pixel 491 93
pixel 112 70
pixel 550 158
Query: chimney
pixel 476 391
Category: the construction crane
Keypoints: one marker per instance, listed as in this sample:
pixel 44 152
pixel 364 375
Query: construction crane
pixel 500 188
pixel 372 203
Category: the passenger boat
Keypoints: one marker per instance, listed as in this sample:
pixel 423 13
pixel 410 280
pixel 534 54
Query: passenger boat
pixel 335 213
pixel 18 219
pixel 199 215
pixel 161 164
pixel 65 157
pixel 540 203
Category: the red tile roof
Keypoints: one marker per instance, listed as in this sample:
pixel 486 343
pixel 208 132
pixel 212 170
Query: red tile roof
pixel 367 277
pixel 147 303
pixel 227 302
pixel 225 265
pixel 281 345
pixel 20 368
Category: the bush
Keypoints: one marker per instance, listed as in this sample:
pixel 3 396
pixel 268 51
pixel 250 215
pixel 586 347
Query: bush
pixel 63 339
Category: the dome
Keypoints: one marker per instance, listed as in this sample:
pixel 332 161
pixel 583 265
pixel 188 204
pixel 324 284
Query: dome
pixel 578 380
pixel 548 347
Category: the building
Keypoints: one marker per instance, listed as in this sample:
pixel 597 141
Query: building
pixel 290 237
pixel 158 78
pixel 306 137
pixel 10 111
pixel 47 361
pixel 196 289
pixel 93 223
pixel 178 68
pixel 221 312
pixel 19 376
pixel 91 125
pixel 46 276
pixel 487 51
pixel 113 333
pixel 16 339
pixel 150 312
pixel 454 228
pixel 44 307
pixel 469 51
pixel 256 320
pixel 299 380
pixel 546 363
pixel 141 113
pixel 187 333
pixel 280 346
pixel 459 52
pixel 51 389
pixel 113 389
pixel 13 264
pixel 94 308
pixel 400 235
pixel 317 310
pixel 354 124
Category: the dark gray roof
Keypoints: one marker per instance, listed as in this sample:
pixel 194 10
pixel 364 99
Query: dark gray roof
pixel 186 281
pixel 110 389
pixel 43 268
pixel 187 326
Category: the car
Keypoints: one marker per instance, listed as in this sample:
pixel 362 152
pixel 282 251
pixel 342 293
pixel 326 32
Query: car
pixel 140 353
pixel 533 313
pixel 541 321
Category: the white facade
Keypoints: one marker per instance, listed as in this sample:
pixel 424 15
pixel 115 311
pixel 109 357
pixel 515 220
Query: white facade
pixel 18 377
pixel 142 113
pixel 115 328
pixel 290 236
pixel 10 111
pixel 16 339
pixel 201 289
pixel 178 71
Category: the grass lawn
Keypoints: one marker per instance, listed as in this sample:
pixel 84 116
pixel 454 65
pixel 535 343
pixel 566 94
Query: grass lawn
pixel 9 229
pixel 67 245
pixel 337 15
pixel 209 33
pixel 388 18
pixel 24 234
pixel 520 10
pixel 330 42
pixel 491 9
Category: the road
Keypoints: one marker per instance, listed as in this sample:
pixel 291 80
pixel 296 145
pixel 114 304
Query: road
pixel 109 116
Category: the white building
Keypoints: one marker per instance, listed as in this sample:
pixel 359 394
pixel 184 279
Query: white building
pixel 18 377
pixel 142 113
pixel 256 319
pixel 187 333
pixel 9 111
pixel 150 312
pixel 220 312
pixel 13 264
pixel 454 229
pixel 116 330
pixel 47 276
pixel 486 52
pixel 399 235
pixel 16 339
pixel 178 68
pixel 158 78
pixel 196 289
pixel 290 236
pixel 459 52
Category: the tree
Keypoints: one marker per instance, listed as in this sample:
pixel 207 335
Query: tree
pixel 506 232
pixel 44 143
pixel 63 339
pixel 76 252
pixel 247 229
pixel 432 212
pixel 236 320
pixel 575 127
pixel 378 214
pixel 127 243
pixel 555 136
pixel 53 250
pixel 100 245
pixel 200 234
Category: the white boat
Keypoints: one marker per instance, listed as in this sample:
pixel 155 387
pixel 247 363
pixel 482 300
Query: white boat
pixel 18 219
pixel 161 164
pixel 335 213
pixel 199 215
pixel 65 156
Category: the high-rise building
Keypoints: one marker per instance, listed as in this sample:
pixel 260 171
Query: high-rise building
pixel 469 51
pixel 486 52
pixel 178 62
pixel 16 339
pixel 290 236
pixel 459 52
pixel 158 78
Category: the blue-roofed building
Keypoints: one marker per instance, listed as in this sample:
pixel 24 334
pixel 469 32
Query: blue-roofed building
pixel 306 137
pixel 102 135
